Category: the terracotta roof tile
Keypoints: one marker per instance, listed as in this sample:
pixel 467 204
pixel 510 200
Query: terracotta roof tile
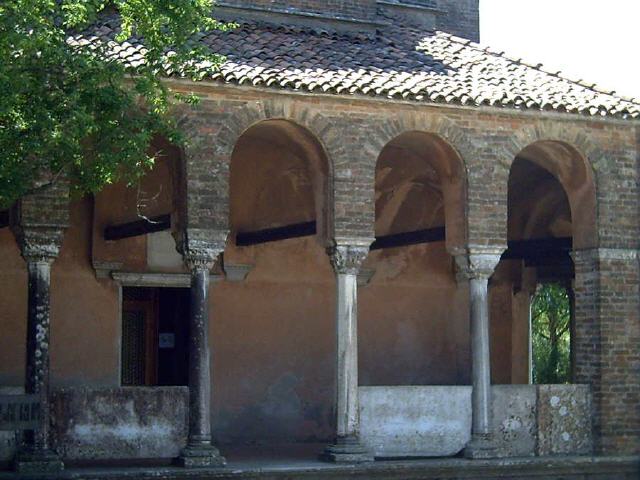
pixel 398 62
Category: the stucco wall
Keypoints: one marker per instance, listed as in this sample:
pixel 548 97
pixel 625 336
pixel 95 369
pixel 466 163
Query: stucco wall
pixel 84 312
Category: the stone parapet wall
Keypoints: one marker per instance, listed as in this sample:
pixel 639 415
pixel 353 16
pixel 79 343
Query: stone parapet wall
pixel 120 423
pixel 435 421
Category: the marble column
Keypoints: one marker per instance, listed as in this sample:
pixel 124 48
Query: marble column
pixel 39 249
pixel 346 261
pixel 200 451
pixel 478 265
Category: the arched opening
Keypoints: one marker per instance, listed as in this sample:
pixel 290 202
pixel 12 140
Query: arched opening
pixel 274 328
pixel 413 329
pixel 551 211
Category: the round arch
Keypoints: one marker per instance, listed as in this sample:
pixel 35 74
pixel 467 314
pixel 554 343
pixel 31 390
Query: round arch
pixel 211 141
pixel 574 173
pixel 288 157
pixel 431 170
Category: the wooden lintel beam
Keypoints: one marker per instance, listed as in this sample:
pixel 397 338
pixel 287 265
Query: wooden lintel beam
pixel 541 252
pixel 139 227
pixel 538 247
pixel 428 235
pixel 304 229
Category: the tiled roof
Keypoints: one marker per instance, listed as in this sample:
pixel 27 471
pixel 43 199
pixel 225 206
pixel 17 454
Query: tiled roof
pixel 397 62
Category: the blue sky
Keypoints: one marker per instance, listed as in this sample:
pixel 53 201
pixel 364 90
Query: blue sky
pixel 595 40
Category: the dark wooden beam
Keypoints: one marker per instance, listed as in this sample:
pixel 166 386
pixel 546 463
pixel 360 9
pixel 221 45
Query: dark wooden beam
pixel 139 227
pixel 304 229
pixel 540 252
pixel 4 218
pixel 555 273
pixel 428 235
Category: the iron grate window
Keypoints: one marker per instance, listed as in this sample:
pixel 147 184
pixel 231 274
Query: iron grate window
pixel 133 348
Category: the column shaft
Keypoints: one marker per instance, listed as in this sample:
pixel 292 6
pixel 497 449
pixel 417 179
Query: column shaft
pixel 199 451
pixel 481 358
pixel 477 266
pixel 347 355
pixel 37 363
pixel 346 261
pixel 199 360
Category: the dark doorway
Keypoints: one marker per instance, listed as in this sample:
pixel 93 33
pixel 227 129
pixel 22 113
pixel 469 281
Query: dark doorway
pixel 154 336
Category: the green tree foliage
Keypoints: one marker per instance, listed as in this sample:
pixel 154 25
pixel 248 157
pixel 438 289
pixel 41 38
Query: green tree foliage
pixel 550 324
pixel 73 111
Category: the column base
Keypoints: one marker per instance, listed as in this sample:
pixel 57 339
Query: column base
pixel 38 462
pixel 481 446
pixel 201 456
pixel 347 450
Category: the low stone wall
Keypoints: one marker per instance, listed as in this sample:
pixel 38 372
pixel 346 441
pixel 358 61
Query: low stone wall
pixel 120 423
pixel 435 421
pixel 9 441
pixel 564 420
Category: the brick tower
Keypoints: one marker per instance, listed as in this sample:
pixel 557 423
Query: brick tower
pixel 458 17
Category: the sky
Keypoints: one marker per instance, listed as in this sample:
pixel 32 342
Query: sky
pixel 594 40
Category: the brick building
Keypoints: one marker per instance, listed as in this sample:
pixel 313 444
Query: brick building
pixel 349 154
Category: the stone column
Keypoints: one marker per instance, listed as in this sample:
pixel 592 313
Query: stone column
pixel 478 265
pixel 40 246
pixel 199 451
pixel 346 261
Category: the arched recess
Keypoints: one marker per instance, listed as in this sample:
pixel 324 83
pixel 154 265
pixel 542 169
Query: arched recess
pixel 274 328
pixel 212 138
pixel 574 173
pixel 412 330
pixel 551 211
pixel 298 171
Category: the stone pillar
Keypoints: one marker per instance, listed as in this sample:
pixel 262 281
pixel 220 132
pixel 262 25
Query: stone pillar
pixel 38 223
pixel 199 451
pixel 346 261
pixel 478 265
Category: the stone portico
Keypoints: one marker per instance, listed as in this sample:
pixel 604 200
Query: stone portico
pixel 335 248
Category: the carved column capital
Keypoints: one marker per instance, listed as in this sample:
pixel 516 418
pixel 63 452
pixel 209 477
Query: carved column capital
pixel 200 259
pixel 347 259
pixel 201 249
pixel 39 244
pixel 478 263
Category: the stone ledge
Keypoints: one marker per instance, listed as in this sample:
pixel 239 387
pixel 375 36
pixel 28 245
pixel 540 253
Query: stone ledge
pixel 569 467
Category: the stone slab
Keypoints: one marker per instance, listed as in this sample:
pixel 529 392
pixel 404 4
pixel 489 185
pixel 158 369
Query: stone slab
pixel 564 420
pixel 162 253
pixel 514 420
pixel 120 423
pixel 415 421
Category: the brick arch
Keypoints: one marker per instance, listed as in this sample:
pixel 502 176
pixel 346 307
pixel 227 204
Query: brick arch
pixel 446 131
pixel 211 139
pixel 443 127
pixel 585 154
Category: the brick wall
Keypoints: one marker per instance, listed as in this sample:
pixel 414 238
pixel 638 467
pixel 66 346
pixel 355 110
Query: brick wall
pixel 461 18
